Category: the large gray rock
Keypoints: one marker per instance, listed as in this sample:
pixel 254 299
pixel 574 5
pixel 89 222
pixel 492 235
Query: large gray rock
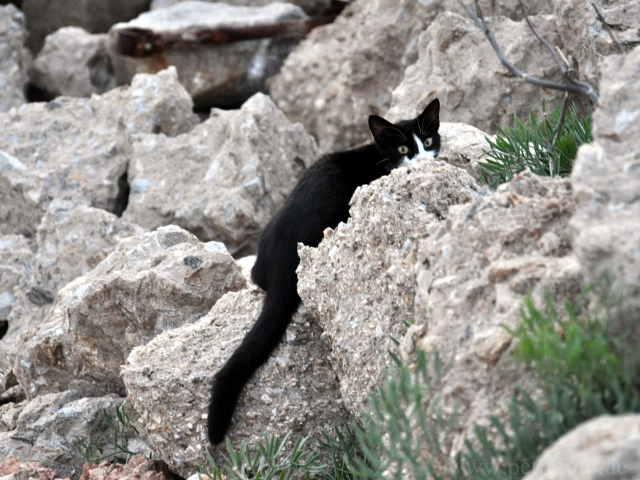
pixel 15 59
pixel 234 173
pixel 73 63
pixel 169 382
pixel 606 182
pixel 15 252
pixel 72 239
pixel 602 448
pixel 312 7
pixel 151 283
pixel 585 37
pixel 359 283
pixel 458 65
pixel 95 16
pixel 78 149
pixel 344 72
pixel 47 429
pixel 473 272
pixel 223 75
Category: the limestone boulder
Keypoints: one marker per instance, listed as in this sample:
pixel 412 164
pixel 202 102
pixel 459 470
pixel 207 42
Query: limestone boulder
pixel 473 272
pixel 457 64
pixel 343 72
pixel 605 447
pixel 72 239
pixel 586 38
pixel 96 16
pixel 606 181
pixel 14 469
pixel 311 7
pixel 15 252
pixel 169 382
pixel 463 146
pixel 151 283
pixel 73 63
pixel 15 59
pixel 224 180
pixel 78 149
pixel 358 283
pixel 47 429
pixel 222 75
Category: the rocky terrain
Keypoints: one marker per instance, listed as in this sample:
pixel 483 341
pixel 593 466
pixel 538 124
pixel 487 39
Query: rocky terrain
pixel 145 145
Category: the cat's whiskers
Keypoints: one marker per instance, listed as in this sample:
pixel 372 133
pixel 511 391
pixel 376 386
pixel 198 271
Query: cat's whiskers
pixel 402 135
pixel 383 160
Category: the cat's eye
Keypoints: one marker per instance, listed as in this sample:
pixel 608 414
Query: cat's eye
pixel 403 149
pixel 428 142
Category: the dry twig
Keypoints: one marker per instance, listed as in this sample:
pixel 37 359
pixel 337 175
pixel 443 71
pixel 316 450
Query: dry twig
pixel 576 85
pixel 607 27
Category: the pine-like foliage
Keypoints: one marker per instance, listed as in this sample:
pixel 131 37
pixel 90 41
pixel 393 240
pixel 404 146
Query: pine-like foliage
pixel 537 145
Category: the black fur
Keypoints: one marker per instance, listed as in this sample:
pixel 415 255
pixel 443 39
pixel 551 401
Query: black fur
pixel 319 200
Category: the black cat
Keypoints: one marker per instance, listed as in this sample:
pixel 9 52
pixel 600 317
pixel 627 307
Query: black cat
pixel 319 200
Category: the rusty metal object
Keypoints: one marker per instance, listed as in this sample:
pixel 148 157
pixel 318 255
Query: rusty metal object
pixel 141 42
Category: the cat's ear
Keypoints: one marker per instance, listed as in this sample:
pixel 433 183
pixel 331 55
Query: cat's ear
pixel 429 119
pixel 381 129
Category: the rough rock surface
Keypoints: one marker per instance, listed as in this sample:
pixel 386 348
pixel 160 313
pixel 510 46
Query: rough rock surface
pixel 95 16
pixel 312 7
pixel 72 239
pixel 15 252
pixel 48 427
pixel 585 37
pixel 606 182
pixel 473 273
pixel 605 447
pixel 74 63
pixel 458 65
pixel 344 72
pixel 462 146
pixel 47 150
pixel 234 173
pixel 169 382
pixel 358 283
pixel 14 469
pixel 136 468
pixel 15 59
pixel 223 75
pixel 151 283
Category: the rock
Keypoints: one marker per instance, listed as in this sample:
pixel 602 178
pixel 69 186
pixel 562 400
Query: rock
pixel 584 36
pixel 13 469
pixel 151 283
pixel 136 468
pixel 15 252
pixel 169 382
pixel 312 7
pixel 359 284
pixel 235 172
pixel 604 447
pixel 606 181
pixel 71 239
pixel 458 65
pixel 246 264
pixel 473 272
pixel 463 146
pixel 73 63
pixel 49 427
pixel 15 59
pixel 47 151
pixel 344 72
pixel 222 75
pixel 95 16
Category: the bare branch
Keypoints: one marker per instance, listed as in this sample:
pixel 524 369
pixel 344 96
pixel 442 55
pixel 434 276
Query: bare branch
pixel 561 65
pixel 607 27
pixel 576 87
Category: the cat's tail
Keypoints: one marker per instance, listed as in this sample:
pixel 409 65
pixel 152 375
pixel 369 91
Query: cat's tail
pixel 255 349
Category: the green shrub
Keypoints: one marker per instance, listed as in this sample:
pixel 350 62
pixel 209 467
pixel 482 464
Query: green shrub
pixel 530 144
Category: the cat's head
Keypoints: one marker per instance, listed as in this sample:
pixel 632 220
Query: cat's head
pixel 404 143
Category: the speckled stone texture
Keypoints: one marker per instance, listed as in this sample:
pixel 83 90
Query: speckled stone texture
pixel 77 149
pixel 606 182
pixel 15 59
pixel 224 180
pixel 473 272
pixel 151 283
pixel 359 282
pixel 169 382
